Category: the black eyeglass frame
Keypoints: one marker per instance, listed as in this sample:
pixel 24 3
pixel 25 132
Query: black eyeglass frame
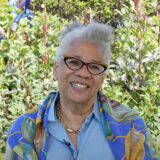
pixel 65 57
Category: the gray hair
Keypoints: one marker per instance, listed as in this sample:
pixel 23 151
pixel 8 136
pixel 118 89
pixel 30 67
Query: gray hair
pixel 99 34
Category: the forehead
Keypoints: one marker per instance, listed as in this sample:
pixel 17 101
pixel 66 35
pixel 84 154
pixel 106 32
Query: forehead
pixel 85 50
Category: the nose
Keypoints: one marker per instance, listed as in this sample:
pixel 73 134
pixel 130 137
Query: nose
pixel 83 72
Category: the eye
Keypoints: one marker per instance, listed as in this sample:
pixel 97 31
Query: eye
pixel 95 67
pixel 74 62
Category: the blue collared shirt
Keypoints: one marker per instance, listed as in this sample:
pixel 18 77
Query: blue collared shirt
pixel 91 143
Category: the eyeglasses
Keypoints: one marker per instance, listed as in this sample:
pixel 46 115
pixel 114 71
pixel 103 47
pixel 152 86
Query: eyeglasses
pixel 76 64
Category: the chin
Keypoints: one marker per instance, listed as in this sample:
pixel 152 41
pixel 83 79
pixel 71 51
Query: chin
pixel 79 100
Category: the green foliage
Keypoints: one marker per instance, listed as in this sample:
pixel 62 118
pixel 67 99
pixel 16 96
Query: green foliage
pixel 25 66
pixel 99 10
pixel 27 56
pixel 135 69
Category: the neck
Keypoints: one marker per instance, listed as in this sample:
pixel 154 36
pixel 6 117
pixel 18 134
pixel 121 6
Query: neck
pixel 74 114
pixel 75 108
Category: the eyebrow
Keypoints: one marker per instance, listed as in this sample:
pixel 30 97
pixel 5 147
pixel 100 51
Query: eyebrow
pixel 94 60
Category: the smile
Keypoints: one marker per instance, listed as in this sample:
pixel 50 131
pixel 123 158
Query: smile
pixel 77 85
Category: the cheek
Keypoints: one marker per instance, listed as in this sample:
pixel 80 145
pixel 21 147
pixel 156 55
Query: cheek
pixel 101 79
pixel 63 76
pixel 61 72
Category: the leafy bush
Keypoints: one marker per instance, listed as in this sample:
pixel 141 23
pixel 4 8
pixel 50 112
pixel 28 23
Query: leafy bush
pixel 135 70
pixel 27 56
pixel 26 59
pixel 99 10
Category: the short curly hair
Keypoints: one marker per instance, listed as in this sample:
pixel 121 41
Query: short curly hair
pixel 99 34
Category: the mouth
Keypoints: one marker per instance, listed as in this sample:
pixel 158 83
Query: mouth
pixel 79 85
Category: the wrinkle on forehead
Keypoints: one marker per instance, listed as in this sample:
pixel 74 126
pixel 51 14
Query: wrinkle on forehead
pixel 80 44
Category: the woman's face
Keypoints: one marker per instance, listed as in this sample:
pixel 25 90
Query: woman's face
pixel 79 86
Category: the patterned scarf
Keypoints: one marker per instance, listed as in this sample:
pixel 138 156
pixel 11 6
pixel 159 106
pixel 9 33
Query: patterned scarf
pixel 124 129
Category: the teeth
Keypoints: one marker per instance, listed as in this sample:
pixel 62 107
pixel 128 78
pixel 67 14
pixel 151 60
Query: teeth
pixel 79 85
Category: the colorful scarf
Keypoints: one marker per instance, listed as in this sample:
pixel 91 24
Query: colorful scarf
pixel 124 129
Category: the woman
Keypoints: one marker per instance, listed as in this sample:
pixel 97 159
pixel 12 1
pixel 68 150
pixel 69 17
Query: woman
pixel 78 122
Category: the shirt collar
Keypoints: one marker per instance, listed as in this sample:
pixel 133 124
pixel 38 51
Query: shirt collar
pixel 52 114
pixel 96 110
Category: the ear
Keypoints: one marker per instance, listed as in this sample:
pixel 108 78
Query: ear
pixel 55 70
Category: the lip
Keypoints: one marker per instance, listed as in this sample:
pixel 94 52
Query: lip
pixel 81 83
pixel 76 88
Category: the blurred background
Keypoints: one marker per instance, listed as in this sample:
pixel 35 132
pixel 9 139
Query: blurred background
pixel 29 37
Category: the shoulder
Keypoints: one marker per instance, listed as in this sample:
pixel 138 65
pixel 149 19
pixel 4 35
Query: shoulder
pixel 23 129
pixel 117 110
pixel 30 117
pixel 123 112
pixel 24 121
pixel 116 105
